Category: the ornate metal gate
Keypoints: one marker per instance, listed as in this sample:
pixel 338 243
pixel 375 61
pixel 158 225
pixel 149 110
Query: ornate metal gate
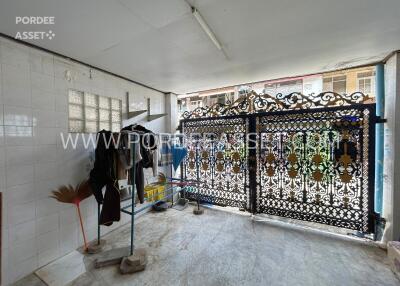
pixel 217 156
pixel 308 158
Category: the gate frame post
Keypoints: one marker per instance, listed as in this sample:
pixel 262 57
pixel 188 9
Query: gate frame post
pixel 379 139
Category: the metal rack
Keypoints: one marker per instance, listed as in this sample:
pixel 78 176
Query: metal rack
pixel 169 192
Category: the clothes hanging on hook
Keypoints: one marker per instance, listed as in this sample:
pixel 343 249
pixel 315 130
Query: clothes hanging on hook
pixel 165 155
pixel 111 210
pixel 101 174
pixel 148 145
pixel 124 152
pixel 104 174
pixel 178 154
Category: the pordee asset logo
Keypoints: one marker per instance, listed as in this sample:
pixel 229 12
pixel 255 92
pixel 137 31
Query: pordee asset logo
pixel 35 35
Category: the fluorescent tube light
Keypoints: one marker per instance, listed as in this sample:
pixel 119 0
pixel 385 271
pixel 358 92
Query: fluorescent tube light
pixel 206 28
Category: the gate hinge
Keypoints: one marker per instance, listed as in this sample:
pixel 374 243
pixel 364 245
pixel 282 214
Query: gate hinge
pixel 380 120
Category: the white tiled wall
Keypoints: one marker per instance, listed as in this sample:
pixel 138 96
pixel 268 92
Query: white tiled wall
pixel 33 112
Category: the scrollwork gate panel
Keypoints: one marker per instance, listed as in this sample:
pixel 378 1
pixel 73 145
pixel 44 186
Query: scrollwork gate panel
pixel 313 158
pixel 315 166
pixel 217 156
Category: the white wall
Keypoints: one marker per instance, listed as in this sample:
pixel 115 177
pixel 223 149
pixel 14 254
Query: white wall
pixel 33 112
pixel 391 167
pixel 172 109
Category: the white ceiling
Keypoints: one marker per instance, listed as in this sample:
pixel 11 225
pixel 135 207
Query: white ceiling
pixel 159 43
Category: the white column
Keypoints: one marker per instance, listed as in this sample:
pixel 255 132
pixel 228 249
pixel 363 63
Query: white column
pixel 391 168
pixel 171 108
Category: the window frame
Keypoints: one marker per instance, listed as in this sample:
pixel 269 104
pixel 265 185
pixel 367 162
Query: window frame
pixel 372 84
pixel 197 103
pixel 332 81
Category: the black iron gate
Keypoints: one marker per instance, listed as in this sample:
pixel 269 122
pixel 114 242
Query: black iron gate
pixel 217 156
pixel 308 158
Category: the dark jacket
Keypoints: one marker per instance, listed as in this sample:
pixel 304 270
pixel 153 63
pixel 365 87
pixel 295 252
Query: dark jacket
pixel 147 143
pixel 104 174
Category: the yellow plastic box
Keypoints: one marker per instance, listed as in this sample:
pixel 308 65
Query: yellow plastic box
pixel 154 192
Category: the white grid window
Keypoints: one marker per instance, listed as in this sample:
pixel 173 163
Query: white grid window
pixel 336 84
pixel 90 113
pixel 365 82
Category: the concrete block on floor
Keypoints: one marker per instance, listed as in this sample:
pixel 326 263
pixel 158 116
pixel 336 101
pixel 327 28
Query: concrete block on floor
pixel 134 263
pixel 111 257
pixel 95 247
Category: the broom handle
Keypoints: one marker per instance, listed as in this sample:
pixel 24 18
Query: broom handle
pixel 83 231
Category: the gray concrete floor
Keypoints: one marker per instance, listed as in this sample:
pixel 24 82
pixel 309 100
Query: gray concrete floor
pixel 221 248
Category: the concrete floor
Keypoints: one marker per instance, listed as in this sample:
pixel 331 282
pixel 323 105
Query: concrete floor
pixel 221 248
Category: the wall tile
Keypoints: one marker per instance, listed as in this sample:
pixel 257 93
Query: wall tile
pixel 16 155
pixel 47 240
pixel 61 85
pixel 68 237
pixel 44 118
pixel 23 232
pixel 43 188
pixel 1 108
pixel 87 208
pixel 48 255
pixel 82 78
pixel 45 153
pixel 6 272
pixel 47 223
pixel 17 116
pixel 16 86
pixel 26 267
pixel 14 55
pixel 18 135
pixel 2 136
pixel 21 194
pixel 47 206
pixel 20 213
pixel 42 82
pixel 6 213
pixel 2 178
pixel 68 216
pixel 19 174
pixel 61 66
pixel 45 171
pixel 62 121
pixel 1 79
pixel 62 102
pixel 41 62
pixel 45 135
pixel 4 235
pixel 2 158
pixel 43 100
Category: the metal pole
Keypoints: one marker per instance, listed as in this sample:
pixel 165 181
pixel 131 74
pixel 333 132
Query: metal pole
pixel 198 172
pixel 379 141
pixel 171 172
pixel 133 171
pixel 98 223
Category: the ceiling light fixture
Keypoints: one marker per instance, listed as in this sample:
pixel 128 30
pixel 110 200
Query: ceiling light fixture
pixel 206 28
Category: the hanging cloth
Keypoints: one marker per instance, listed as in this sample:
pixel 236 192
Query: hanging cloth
pixel 164 154
pixel 178 154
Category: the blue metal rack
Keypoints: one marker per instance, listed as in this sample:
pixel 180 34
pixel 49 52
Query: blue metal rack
pixel 133 212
